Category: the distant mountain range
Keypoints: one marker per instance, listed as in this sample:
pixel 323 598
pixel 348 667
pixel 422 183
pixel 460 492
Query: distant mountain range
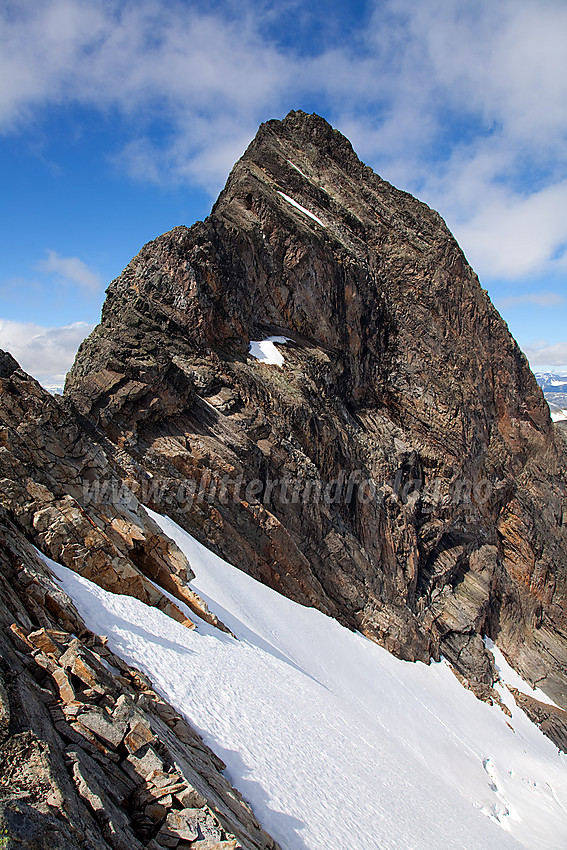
pixel 555 391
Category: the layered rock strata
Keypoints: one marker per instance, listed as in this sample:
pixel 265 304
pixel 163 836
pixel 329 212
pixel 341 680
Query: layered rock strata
pixel 61 491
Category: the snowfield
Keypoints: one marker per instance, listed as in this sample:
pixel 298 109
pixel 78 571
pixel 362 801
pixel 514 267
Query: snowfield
pixel 334 742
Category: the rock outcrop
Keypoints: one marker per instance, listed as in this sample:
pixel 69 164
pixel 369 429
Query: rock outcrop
pixel 400 470
pixel 90 756
pixel 60 490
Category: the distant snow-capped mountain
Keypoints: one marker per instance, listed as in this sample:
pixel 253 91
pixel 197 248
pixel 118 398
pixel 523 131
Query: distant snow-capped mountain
pixel 550 382
pixel 555 391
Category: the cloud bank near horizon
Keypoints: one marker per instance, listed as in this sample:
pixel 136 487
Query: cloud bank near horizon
pixel 45 353
pixel 543 356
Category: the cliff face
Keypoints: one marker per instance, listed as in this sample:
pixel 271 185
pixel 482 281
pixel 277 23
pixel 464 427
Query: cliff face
pixel 399 470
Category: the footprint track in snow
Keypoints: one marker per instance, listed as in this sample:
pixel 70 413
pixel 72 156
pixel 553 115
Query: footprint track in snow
pixel 502 808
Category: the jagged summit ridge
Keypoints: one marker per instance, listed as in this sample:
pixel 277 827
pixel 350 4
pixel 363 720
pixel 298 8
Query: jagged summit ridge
pixel 303 158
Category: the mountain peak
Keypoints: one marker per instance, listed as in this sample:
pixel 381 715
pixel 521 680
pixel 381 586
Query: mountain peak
pixel 303 154
pixel 393 367
pixel 310 132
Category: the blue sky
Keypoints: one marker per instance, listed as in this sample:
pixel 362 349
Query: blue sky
pixel 120 120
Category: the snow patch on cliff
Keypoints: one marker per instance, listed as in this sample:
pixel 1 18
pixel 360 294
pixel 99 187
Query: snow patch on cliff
pixel 265 350
pixel 302 209
pixel 297 168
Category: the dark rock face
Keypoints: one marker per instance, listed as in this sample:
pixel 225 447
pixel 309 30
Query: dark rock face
pixel 397 371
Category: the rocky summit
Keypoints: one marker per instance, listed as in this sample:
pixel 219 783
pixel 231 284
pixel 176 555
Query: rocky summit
pixel 399 470
pixel 312 383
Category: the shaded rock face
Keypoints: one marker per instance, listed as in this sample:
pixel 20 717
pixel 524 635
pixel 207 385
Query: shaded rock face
pixel 397 371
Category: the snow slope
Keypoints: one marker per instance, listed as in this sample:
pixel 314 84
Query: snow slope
pixel 335 742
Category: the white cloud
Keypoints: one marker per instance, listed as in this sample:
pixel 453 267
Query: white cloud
pixel 204 78
pixel 540 299
pixel 70 270
pixel 550 357
pixel 464 103
pixel 45 353
pixel 477 124
pixel 506 232
pixel 504 61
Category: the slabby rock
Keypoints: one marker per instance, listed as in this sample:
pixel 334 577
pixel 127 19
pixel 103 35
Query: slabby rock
pixel 180 825
pixel 115 825
pixel 104 726
pixel 143 763
pixel 139 735
pixel 190 798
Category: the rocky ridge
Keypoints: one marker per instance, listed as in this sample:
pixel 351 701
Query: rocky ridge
pixel 90 755
pixel 64 495
pixel 398 373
